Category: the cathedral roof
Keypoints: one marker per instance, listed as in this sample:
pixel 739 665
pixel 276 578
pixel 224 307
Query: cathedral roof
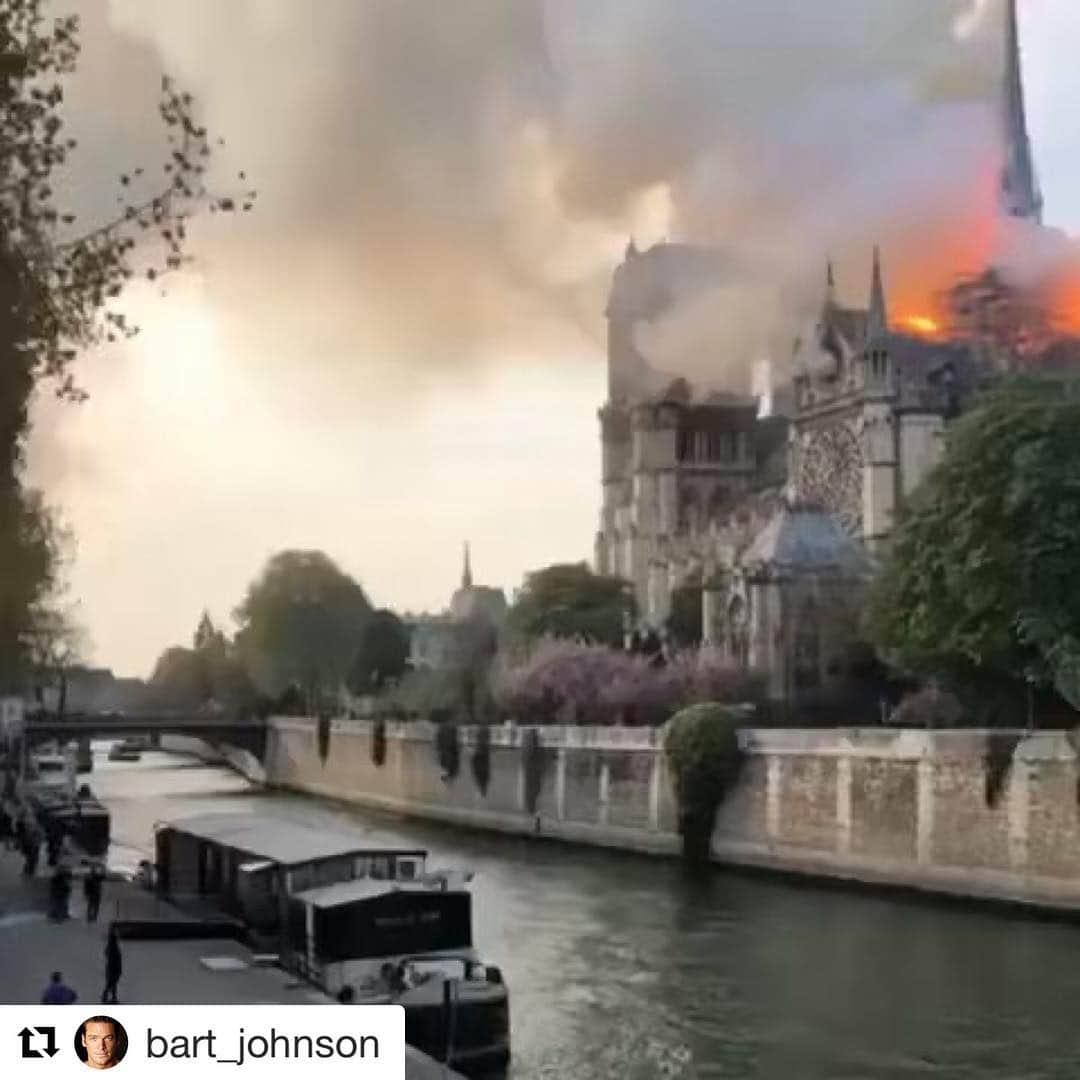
pixel 478 602
pixel 851 323
pixel 770 449
pixel 802 540
pixel 649 282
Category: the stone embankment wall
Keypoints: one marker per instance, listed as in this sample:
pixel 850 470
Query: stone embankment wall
pixel 883 806
pixel 243 761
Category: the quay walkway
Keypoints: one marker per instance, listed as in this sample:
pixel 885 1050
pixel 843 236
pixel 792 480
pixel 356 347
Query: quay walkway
pixel 154 972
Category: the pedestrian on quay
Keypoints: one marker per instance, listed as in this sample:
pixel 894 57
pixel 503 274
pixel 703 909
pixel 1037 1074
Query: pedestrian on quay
pixel 59 894
pixel 58 992
pixel 65 892
pixel 52 842
pixel 114 967
pixel 31 849
pixel 93 884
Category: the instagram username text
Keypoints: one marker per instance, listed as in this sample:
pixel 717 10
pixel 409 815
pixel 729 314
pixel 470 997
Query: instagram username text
pixel 255 1046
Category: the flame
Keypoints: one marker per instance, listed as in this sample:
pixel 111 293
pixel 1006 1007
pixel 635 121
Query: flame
pixel 1064 300
pixel 920 325
pixel 918 281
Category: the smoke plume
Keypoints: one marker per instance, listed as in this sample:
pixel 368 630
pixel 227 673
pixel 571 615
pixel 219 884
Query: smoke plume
pixel 444 193
pixel 437 188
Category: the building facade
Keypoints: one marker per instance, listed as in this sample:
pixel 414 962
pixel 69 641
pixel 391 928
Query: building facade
pixel 777 518
pixel 468 628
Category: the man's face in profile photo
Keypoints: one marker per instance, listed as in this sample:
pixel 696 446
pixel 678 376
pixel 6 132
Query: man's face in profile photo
pixel 101 1042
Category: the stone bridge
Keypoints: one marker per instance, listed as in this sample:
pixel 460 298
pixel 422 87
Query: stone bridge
pixel 244 732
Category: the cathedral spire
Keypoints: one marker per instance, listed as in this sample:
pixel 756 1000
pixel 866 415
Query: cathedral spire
pixel 1020 195
pixel 878 316
pixel 830 290
pixel 466 573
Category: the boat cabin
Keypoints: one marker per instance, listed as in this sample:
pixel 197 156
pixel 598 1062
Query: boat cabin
pixel 248 865
pixel 344 933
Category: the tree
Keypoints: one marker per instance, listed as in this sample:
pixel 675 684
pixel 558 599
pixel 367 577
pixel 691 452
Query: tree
pixel 302 622
pixel 568 600
pixel 31 545
pixel 179 679
pixel 981 573
pixel 210 671
pixel 55 643
pixel 704 755
pixel 383 654
pixel 567 682
pixel 59 286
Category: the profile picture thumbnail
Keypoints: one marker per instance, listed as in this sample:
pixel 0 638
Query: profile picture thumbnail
pixel 101 1042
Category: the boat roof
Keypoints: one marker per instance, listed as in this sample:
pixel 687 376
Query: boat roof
pixel 347 892
pixel 281 840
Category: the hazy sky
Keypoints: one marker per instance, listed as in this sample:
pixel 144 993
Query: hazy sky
pixel 402 348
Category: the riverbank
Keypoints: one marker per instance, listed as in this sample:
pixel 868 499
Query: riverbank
pixel 972 815
pixel 155 972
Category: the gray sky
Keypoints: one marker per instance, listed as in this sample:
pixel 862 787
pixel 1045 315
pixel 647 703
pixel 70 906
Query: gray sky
pixel 403 347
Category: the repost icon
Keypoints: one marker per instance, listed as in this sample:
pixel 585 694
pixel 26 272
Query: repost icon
pixel 326 1042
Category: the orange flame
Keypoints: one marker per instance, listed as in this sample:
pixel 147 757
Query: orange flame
pixel 1064 300
pixel 920 325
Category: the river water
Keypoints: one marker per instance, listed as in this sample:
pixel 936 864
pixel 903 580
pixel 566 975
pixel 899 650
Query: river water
pixel 623 967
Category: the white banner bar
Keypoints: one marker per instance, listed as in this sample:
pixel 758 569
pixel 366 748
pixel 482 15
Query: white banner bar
pixel 250 1042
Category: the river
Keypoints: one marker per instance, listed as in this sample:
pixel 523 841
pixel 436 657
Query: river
pixel 623 967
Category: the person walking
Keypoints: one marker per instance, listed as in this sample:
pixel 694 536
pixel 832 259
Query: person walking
pixel 64 897
pixel 58 992
pixel 55 887
pixel 52 842
pixel 114 967
pixel 59 894
pixel 92 887
pixel 31 852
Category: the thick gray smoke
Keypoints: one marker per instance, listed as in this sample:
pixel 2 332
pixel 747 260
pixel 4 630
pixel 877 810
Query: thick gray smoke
pixel 412 319
pixel 440 185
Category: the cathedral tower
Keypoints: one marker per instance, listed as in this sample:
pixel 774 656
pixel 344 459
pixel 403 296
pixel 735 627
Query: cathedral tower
pixel 881 450
pixel 1020 194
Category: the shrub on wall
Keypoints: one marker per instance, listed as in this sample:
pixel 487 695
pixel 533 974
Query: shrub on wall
pixel 702 747
pixel 323 734
pixel 929 708
pixel 534 763
pixel 998 761
pixel 378 742
pixel 481 759
pixel 448 750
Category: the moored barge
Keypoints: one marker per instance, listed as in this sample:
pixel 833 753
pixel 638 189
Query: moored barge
pixel 362 920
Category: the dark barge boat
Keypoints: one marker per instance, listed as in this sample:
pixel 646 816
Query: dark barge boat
pixel 343 910
pixel 62 810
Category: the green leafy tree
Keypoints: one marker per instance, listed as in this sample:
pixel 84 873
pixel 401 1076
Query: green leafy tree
pixel 302 623
pixel 701 744
pixel 981 574
pixel 56 643
pixel 60 281
pixel 383 655
pixel 568 600
pixel 211 671
pixel 32 547
pixel 179 679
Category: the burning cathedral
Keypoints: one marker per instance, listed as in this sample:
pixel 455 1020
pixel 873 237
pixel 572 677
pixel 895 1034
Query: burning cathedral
pixel 777 518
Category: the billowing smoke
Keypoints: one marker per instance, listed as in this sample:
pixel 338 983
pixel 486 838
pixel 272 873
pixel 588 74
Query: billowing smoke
pixel 439 187
pixel 412 319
